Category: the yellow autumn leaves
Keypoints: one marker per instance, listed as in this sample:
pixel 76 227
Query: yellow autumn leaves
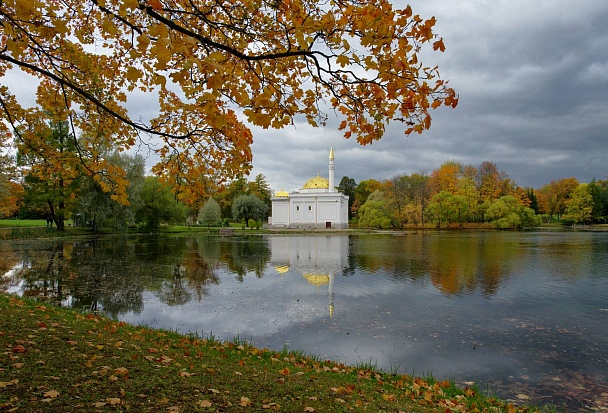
pixel 271 61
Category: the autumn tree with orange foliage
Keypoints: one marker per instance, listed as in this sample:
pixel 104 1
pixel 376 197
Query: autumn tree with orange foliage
pixel 492 183
pixel 446 178
pixel 11 196
pixel 553 197
pixel 11 191
pixel 206 62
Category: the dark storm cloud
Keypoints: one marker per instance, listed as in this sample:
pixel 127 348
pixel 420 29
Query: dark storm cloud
pixel 533 84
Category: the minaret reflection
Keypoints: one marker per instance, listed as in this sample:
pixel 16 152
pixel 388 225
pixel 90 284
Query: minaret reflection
pixel 317 258
pixel 319 280
pixel 331 295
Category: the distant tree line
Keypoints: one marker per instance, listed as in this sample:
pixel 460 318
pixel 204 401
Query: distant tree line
pixel 462 194
pixel 34 185
pixel 49 180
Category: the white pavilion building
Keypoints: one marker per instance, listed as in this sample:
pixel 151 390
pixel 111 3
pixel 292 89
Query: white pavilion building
pixel 318 204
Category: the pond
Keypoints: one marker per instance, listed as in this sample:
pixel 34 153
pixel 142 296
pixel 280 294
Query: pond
pixel 521 314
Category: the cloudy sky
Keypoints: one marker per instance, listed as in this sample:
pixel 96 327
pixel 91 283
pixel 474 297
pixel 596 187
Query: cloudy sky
pixel 532 76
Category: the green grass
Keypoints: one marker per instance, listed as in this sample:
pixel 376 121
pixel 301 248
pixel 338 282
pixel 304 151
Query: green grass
pixel 5 223
pixel 58 360
pixel 13 229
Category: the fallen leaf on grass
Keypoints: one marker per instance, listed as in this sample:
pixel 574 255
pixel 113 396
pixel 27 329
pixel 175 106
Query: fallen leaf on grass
pixel 121 371
pixel 309 409
pixel 17 365
pixel 203 403
pixel 173 409
pixel 284 372
pixel 273 406
pixel 186 374
pixel 19 349
pixel 51 393
pixel 245 401
pixel 112 401
pixel 4 384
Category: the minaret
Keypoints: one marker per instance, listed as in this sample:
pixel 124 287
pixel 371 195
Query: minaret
pixel 332 185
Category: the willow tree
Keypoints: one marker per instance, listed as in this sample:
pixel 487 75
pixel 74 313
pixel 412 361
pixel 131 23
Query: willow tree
pixel 212 64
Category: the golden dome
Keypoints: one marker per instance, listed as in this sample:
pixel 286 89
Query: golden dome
pixel 281 193
pixel 282 269
pixel 317 279
pixel 317 182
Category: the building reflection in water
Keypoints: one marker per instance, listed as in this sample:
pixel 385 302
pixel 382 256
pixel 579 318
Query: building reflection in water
pixel 316 258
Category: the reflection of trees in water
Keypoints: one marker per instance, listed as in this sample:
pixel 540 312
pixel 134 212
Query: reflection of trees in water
pixel 42 272
pixel 173 292
pixel 192 273
pixel 564 254
pixel 9 275
pixel 91 274
pixel 111 273
pixel 200 262
pixel 101 276
pixel 244 255
pixel 454 263
pixel 403 259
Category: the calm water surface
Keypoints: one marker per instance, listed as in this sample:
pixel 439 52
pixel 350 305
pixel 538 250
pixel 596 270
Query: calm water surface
pixel 523 315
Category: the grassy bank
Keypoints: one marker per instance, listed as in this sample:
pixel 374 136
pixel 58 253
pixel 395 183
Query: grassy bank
pixel 11 229
pixel 58 360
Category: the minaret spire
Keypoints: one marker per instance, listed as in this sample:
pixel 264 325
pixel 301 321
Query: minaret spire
pixel 332 185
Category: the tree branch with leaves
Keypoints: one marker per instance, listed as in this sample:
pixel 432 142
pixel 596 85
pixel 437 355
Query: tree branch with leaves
pixel 214 62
